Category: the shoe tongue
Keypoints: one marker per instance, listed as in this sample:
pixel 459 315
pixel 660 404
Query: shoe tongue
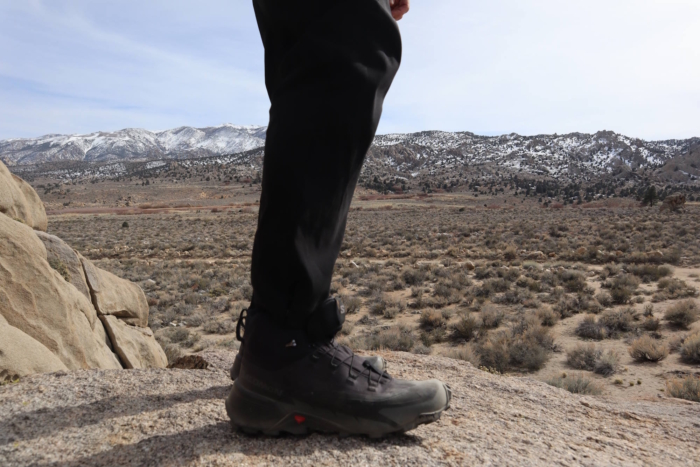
pixel 340 350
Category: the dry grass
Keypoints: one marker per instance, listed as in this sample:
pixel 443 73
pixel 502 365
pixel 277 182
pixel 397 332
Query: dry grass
pixel 465 353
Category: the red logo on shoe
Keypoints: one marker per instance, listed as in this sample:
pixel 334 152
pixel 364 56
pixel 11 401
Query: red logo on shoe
pixel 299 419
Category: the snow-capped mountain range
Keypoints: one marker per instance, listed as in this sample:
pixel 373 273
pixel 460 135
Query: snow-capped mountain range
pixel 574 155
pixel 133 144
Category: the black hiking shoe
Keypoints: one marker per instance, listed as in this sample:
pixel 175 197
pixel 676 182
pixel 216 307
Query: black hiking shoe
pixel 300 381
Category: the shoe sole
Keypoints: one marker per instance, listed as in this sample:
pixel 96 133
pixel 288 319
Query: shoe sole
pixel 254 414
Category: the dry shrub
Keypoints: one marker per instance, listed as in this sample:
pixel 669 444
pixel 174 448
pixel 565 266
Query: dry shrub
pixel 576 384
pixel 617 321
pixel 683 314
pixel 219 327
pixel 671 288
pixel 690 349
pixel 583 357
pixel 609 270
pixel 443 290
pixel 414 277
pixel 431 319
pixel 177 334
pixel 397 338
pixel 527 352
pixel 510 253
pixel 494 352
pixel 378 307
pixel 433 336
pixel 687 388
pixel 352 304
pixel 590 328
pixel 514 297
pixel 675 342
pixel 483 272
pixel 621 287
pixel 391 312
pixel 492 286
pixel 527 345
pixel 465 328
pixel 421 349
pixel 572 281
pixel 347 328
pixel 649 272
pixel 605 299
pixel 465 353
pixel 172 353
pixel 491 317
pixel 607 364
pixel 651 324
pixel 547 317
pixel 646 349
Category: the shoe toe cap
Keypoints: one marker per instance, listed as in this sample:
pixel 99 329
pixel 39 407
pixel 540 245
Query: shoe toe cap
pixel 425 400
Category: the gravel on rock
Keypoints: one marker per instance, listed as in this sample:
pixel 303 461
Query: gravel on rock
pixel 177 417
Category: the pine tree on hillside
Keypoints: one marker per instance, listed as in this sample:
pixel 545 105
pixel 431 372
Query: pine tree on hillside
pixel 650 196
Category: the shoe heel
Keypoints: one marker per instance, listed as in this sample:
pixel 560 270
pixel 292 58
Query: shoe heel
pixel 253 413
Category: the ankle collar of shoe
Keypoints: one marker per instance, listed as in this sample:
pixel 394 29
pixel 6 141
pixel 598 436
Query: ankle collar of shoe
pixel 326 321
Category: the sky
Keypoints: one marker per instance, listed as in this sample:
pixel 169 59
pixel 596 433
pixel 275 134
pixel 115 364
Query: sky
pixel 490 67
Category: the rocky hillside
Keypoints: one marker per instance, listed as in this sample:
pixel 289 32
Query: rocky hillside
pixel 133 144
pixel 575 156
pixel 177 417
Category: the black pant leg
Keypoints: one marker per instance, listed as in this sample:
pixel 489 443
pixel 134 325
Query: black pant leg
pixel 328 67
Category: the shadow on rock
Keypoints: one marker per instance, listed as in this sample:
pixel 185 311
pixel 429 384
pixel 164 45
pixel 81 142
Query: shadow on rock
pixel 44 422
pixel 218 439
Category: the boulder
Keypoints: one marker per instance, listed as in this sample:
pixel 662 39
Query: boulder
pixel 37 300
pixel 19 201
pixel 66 261
pixel 115 296
pixel 135 345
pixel 469 265
pixel 21 355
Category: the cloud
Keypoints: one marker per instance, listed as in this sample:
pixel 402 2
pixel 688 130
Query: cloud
pixel 535 66
pixel 548 66
pixel 67 60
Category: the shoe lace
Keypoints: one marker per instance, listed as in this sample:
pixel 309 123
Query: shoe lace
pixel 240 325
pixel 336 350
